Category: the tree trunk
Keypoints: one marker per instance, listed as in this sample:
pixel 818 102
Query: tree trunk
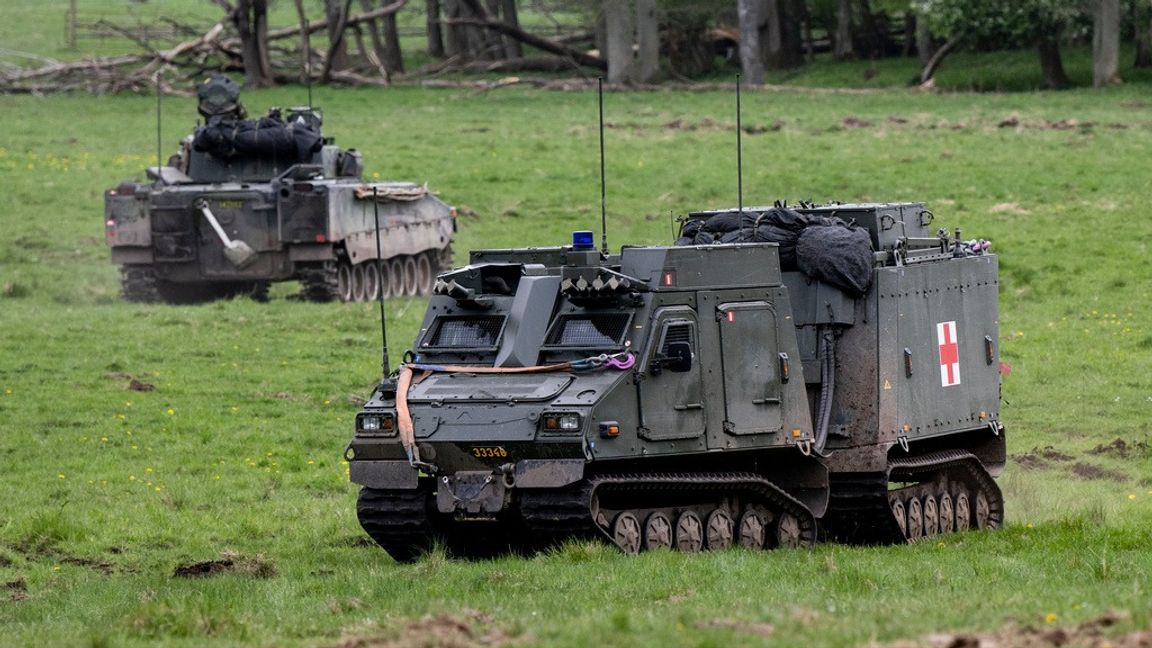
pixel 783 43
pixel 1105 43
pixel 512 47
pixel 251 22
pixel 432 27
pixel 456 42
pixel 751 63
pixel 1051 65
pixel 1143 27
pixel 842 40
pixel 647 41
pixel 337 13
pixel 374 34
pixel 393 57
pixel 925 47
pixel 305 44
pixel 618 38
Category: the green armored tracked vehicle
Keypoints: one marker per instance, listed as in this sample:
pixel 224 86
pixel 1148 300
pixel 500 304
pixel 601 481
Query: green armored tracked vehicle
pixel 776 375
pixel 249 202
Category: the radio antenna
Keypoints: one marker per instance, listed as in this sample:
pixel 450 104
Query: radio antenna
pixel 739 160
pixel 603 192
pixel 380 283
pixel 308 76
pixel 159 138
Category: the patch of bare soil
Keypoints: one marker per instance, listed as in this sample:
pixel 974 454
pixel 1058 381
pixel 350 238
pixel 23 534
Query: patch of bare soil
pixel 852 121
pixel 1088 471
pixel 230 562
pixel 17 590
pixel 470 629
pixel 1040 457
pixel 1089 634
pixel 97 565
pixel 1120 448
pixel 754 628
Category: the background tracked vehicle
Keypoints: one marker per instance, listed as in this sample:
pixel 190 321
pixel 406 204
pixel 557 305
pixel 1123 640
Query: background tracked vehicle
pixel 248 202
pixel 697 396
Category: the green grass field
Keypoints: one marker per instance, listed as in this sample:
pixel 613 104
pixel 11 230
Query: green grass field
pixel 236 453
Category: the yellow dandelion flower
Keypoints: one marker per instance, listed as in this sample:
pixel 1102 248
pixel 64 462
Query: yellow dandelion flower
pixel 327 402
pixel 1050 617
pixel 1132 496
pixel 171 412
pixel 127 403
pixel 103 439
pixel 56 568
pixel 1029 525
pixel 120 416
pixel 148 470
pixel 215 476
pixel 135 447
pixel 7 392
pixel 131 477
pixel 157 489
pixel 60 476
pixel 311 462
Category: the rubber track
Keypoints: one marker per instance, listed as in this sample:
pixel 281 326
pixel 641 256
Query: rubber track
pixel 551 515
pixel 859 511
pixel 318 284
pixel 138 284
pixel 397 520
pixel 720 483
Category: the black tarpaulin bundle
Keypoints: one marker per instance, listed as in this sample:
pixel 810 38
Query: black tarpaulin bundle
pixel 268 137
pixel 824 248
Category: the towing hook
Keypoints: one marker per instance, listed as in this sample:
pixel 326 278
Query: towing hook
pixel 509 471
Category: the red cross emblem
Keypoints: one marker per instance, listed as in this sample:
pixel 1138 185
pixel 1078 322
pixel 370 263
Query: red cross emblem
pixel 949 354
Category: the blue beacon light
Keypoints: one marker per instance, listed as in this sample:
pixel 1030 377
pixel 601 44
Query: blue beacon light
pixel 583 240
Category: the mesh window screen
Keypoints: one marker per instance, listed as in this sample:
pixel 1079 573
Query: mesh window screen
pixel 478 331
pixel 597 330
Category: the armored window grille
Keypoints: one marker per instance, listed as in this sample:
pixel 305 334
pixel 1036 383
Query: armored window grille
pixel 597 330
pixel 678 332
pixel 477 332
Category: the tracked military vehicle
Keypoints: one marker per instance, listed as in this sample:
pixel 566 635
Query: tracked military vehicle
pixel 746 386
pixel 249 202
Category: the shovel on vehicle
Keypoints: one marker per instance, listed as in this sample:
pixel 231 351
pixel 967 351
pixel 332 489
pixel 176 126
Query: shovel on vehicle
pixel 238 253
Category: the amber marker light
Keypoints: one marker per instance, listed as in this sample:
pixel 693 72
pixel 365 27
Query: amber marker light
pixel 797 433
pixel 609 429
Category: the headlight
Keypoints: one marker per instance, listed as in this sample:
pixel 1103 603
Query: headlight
pixel 561 422
pixel 382 423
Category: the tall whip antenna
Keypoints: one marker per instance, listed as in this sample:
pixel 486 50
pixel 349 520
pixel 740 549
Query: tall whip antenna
pixel 603 194
pixel 380 283
pixel 308 76
pixel 739 159
pixel 159 139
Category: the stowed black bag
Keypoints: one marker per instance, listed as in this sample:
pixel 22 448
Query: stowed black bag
pixel 837 254
pixel 823 248
pixel 267 137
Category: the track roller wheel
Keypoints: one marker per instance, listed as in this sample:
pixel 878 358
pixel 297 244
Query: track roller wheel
pixel 344 288
pixel 371 281
pixel 931 516
pixel 719 530
pixel 689 532
pixel 396 277
pixel 411 281
pixel 752 529
pixel 424 276
pixel 947 514
pixel 358 282
pixel 626 532
pixel 658 531
pixel 983 511
pixel 901 515
pixel 786 532
pixel 963 512
pixel 915 519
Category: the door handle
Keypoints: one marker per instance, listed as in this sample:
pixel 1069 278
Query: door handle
pixel 688 406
